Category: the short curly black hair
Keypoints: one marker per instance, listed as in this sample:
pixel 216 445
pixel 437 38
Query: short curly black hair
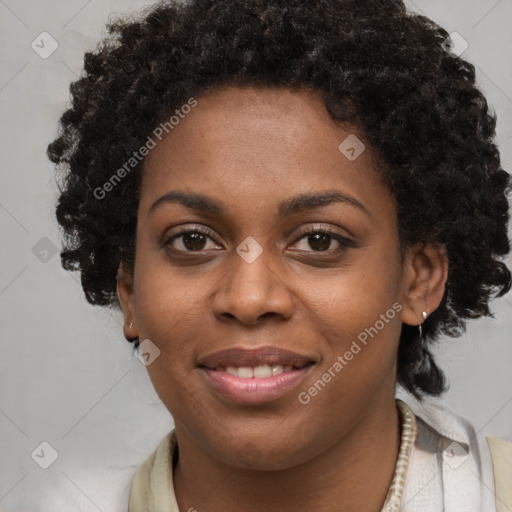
pixel 378 67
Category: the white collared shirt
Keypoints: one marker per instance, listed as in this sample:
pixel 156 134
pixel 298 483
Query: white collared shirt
pixel 450 467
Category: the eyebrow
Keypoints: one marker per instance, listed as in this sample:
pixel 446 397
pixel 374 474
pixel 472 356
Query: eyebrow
pixel 294 204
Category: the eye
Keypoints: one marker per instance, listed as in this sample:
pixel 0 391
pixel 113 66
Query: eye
pixel 190 240
pixel 321 240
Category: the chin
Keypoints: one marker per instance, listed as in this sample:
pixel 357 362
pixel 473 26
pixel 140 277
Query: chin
pixel 262 454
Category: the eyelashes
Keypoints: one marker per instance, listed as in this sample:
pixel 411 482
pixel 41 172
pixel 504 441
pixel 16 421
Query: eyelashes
pixel 342 240
pixel 194 239
pixel 204 233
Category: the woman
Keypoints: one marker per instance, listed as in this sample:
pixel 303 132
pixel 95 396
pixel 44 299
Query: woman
pixel 290 202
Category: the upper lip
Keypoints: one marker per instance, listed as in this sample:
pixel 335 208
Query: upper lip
pixel 267 355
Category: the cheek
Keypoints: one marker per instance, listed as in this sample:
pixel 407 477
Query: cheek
pixel 169 300
pixel 353 298
pixel 170 313
pixel 170 307
pixel 357 314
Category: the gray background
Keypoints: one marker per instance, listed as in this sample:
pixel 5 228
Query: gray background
pixel 68 377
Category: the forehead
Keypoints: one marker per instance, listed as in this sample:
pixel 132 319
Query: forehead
pixel 253 147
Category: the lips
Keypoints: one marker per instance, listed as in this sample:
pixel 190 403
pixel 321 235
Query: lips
pixel 241 357
pixel 254 376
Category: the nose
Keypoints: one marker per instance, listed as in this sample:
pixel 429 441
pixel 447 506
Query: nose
pixel 251 292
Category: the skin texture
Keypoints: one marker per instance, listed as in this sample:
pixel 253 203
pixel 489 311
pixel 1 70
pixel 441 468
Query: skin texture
pixel 252 149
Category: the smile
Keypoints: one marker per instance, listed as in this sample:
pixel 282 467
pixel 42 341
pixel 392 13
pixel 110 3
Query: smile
pixel 259 372
pixel 254 376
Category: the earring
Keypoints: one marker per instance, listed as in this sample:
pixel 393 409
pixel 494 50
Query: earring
pixel 128 338
pixel 424 315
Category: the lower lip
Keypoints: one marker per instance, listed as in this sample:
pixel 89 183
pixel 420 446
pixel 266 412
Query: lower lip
pixel 254 390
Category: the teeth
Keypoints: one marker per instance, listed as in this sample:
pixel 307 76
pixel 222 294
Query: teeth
pixel 277 369
pixel 245 372
pixel 260 372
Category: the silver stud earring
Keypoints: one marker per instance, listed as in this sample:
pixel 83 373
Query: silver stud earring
pixel 131 325
pixel 424 315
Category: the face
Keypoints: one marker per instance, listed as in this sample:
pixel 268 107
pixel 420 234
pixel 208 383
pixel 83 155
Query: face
pixel 289 263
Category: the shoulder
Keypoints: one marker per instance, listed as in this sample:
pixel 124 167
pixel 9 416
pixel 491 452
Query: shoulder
pixel 451 464
pixel 501 453
pixel 153 480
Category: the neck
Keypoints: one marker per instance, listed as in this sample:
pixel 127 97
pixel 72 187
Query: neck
pixel 353 474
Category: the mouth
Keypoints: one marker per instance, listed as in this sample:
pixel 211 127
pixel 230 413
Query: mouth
pixel 254 375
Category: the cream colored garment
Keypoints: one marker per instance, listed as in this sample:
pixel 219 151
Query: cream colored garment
pixel 448 468
pixel 152 487
pixel 502 460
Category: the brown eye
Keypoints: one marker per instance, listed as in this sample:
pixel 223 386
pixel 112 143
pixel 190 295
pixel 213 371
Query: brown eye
pixel 320 240
pixel 189 241
pixel 194 241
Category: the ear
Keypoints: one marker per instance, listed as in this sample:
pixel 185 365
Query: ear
pixel 425 275
pixel 125 293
